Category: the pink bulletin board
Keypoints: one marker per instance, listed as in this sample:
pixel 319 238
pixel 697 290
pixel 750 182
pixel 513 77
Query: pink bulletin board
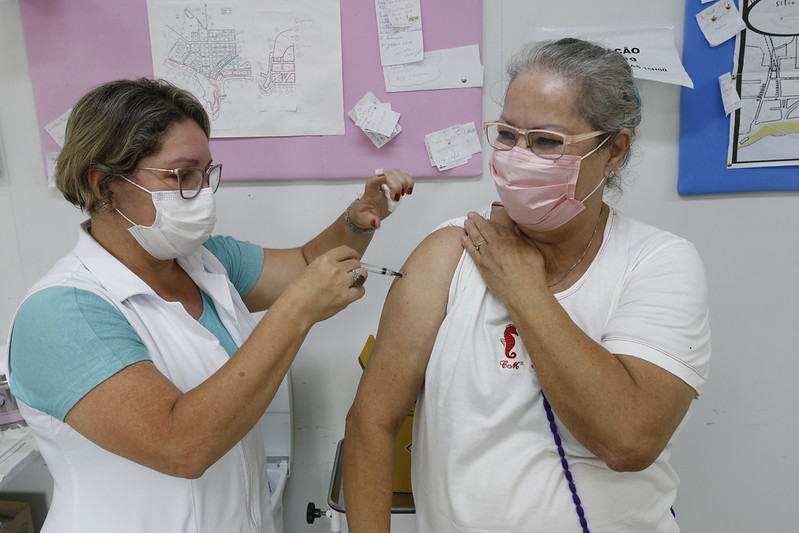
pixel 75 45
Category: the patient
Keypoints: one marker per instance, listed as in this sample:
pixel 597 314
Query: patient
pixel 553 345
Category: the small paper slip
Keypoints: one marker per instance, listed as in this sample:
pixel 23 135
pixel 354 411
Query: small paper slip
pixel 51 159
pixel 720 22
pixel 403 13
pixel 58 128
pixel 376 119
pixel 453 146
pixel 707 1
pixel 729 93
pixel 398 45
pixel 449 68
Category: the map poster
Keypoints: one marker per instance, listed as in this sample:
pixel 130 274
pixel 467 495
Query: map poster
pixel 764 132
pixel 259 69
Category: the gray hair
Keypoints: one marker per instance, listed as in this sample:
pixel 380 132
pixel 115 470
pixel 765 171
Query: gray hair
pixel 604 90
pixel 113 127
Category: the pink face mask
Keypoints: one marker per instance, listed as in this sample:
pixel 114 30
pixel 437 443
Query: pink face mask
pixel 538 193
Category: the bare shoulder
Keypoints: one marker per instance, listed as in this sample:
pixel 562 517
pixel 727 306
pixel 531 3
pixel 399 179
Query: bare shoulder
pixel 436 257
pixel 416 303
pixel 412 314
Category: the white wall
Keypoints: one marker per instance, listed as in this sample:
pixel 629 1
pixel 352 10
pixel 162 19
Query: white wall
pixel 735 455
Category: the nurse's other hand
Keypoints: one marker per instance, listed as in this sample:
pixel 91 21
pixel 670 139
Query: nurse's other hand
pixel 373 205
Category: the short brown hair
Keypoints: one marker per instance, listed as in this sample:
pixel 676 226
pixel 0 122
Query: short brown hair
pixel 115 126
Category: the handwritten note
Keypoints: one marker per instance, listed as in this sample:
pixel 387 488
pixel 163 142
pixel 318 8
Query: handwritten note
pixel 450 68
pixel 376 119
pixel 51 159
pixel 403 13
pixel 453 146
pixel 58 128
pixel 720 22
pixel 729 93
pixel 398 45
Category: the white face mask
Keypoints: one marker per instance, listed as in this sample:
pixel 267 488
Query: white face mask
pixel 181 226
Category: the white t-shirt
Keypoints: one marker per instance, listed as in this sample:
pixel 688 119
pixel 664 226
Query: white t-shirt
pixel 484 459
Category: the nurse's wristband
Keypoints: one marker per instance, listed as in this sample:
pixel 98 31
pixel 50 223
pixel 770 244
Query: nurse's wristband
pixel 352 227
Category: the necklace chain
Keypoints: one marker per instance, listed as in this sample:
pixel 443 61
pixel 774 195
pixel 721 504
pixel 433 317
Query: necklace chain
pixel 582 255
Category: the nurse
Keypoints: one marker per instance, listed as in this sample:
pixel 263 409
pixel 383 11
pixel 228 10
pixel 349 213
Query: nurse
pixel 553 345
pixel 135 359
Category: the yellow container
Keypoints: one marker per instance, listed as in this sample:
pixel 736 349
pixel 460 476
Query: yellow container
pixel 15 517
pixel 402 451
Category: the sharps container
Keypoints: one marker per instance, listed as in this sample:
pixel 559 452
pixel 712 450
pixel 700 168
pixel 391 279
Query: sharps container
pixel 9 411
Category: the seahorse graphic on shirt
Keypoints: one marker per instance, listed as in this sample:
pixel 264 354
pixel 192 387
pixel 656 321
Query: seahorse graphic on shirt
pixel 509 341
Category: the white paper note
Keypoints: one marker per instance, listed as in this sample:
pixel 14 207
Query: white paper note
pixel 398 45
pixel 361 114
pixel 403 13
pixel 51 159
pixel 720 22
pixel 450 68
pixel 649 49
pixel 453 146
pixel 377 118
pixel 58 128
pixel 729 93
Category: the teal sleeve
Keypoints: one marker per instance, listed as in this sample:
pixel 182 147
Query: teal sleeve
pixel 243 261
pixel 65 342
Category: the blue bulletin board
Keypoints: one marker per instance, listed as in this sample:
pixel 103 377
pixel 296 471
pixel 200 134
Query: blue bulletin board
pixel 704 128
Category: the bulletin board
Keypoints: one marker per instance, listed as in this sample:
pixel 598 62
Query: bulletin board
pixel 75 45
pixel 705 130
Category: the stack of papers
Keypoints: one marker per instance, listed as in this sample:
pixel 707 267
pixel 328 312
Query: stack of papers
pixel 376 119
pixel 453 146
pixel 12 440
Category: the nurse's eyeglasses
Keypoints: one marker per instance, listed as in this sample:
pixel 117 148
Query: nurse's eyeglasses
pixel 191 180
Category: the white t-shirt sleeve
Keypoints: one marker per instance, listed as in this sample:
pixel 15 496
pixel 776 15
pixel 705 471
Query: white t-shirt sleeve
pixel 662 313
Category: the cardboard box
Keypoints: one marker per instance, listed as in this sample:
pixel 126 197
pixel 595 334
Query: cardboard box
pixel 402 451
pixel 15 517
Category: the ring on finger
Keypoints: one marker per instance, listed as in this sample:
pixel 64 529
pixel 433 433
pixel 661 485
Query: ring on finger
pixel 479 244
pixel 358 279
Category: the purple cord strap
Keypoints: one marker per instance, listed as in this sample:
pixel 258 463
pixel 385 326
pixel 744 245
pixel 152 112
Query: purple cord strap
pixel 565 464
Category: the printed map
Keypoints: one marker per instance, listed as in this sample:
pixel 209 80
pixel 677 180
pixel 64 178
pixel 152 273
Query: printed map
pixel 238 59
pixel 765 130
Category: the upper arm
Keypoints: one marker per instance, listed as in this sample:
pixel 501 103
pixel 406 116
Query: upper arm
pixel 412 314
pixel 662 317
pixel 65 341
pixel 129 414
pixel 280 268
pixel 660 334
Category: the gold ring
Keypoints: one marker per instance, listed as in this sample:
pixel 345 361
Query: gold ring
pixel 479 244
